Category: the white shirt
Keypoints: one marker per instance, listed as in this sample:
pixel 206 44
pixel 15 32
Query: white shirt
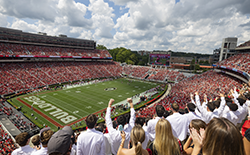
pixel 42 151
pixel 179 124
pixel 151 127
pixel 73 149
pixel 25 150
pixel 191 115
pixel 208 115
pixel 145 142
pixel 91 142
pixel 107 144
pixel 232 116
pixel 197 112
pixel 242 109
pixel 115 135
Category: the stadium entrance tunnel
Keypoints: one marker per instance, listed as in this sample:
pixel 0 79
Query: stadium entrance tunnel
pixel 110 89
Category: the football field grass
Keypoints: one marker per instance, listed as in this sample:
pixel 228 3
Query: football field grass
pixel 69 106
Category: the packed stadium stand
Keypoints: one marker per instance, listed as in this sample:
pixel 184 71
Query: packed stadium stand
pixel 29 61
pixel 210 83
pixel 149 73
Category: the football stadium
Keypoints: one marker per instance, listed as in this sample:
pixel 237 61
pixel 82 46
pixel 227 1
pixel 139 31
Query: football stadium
pixel 63 96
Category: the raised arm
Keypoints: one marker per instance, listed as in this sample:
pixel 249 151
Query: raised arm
pixel 192 99
pixel 132 113
pixel 222 104
pixel 204 112
pixel 108 116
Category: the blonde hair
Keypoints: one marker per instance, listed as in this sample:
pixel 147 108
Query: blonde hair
pixel 137 136
pixel 222 137
pixel 165 143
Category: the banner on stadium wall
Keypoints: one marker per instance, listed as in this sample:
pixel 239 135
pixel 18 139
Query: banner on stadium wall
pixel 52 56
pixel 236 70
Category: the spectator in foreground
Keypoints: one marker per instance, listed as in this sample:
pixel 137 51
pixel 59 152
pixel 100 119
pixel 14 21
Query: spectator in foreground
pixel 137 137
pixel 178 122
pixel 60 142
pixel 197 124
pixel 165 143
pixel 45 135
pixel 23 140
pixel 36 142
pixel 191 112
pixel 141 121
pixel 159 109
pixel 91 142
pixel 114 134
pixel 220 137
pixel 207 114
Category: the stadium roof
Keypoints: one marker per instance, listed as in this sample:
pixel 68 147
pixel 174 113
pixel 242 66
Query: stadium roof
pixel 244 46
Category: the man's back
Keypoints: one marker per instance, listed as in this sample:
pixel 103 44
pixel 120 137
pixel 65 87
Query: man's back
pixel 91 142
pixel 151 127
pixel 25 150
pixel 179 124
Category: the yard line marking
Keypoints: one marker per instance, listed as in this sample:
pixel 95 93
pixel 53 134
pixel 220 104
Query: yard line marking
pixel 100 103
pixel 88 107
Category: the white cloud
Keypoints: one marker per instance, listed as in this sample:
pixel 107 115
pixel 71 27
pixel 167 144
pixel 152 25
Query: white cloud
pixel 102 15
pixel 189 25
pixel 24 26
pixel 3 20
pixel 74 13
pixel 42 10
pixel 123 2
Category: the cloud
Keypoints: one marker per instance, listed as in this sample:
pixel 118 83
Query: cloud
pixel 42 10
pixel 3 20
pixel 24 26
pixel 73 13
pixel 123 2
pixel 102 16
pixel 189 25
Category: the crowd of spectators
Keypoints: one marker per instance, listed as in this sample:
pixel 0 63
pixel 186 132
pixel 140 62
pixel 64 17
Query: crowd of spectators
pixel 210 83
pixel 240 61
pixel 163 74
pixel 7 145
pixel 21 122
pixel 23 76
pixel 245 44
pixel 20 49
pixel 142 72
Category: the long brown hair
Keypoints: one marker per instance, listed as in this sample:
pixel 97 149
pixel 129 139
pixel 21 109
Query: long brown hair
pixel 165 143
pixel 222 137
pixel 197 124
pixel 137 136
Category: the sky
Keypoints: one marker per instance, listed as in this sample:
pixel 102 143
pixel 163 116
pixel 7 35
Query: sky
pixel 196 26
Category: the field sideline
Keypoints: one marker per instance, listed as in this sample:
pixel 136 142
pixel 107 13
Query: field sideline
pixel 68 106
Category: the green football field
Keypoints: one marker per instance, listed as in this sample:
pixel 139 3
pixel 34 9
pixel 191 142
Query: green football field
pixel 69 106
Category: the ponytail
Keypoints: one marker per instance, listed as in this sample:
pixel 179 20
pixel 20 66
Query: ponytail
pixel 138 148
